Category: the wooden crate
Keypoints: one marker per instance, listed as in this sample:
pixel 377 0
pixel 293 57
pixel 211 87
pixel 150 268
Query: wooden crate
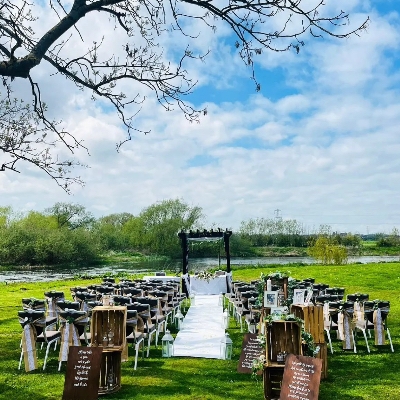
pixel 110 372
pixel 272 380
pixel 104 320
pixel 282 336
pixel 313 317
pixel 323 355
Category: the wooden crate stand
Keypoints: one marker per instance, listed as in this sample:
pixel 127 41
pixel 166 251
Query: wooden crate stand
pixel 110 372
pixel 282 336
pixel 313 317
pixel 106 319
pixel 272 379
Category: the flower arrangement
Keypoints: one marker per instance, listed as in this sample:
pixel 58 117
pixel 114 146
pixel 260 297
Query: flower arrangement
pixel 258 365
pixel 205 276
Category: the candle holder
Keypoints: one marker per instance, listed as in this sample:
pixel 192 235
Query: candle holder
pixel 179 318
pixel 226 347
pixel 221 299
pixel 167 345
pixel 110 338
pixel 225 319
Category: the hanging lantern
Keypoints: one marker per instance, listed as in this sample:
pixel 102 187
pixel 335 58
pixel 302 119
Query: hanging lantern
pixel 179 318
pixel 167 345
pixel 226 347
pixel 225 319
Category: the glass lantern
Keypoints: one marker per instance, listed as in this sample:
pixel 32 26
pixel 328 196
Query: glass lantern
pixel 179 318
pixel 225 319
pixel 221 299
pixel 192 299
pixel 110 338
pixel 226 347
pixel 167 345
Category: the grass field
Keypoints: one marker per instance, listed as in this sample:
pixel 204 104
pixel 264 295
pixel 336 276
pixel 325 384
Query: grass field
pixel 350 376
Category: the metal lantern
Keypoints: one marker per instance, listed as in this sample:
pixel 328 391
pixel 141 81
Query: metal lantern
pixel 179 318
pixel 225 319
pixel 226 347
pixel 167 345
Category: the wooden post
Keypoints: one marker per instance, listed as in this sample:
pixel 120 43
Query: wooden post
pixel 185 251
pixel 227 235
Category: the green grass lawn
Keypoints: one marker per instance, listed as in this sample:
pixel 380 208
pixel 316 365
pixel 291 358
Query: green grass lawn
pixel 350 376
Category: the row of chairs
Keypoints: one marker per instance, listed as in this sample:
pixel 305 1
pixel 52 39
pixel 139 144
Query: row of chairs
pixel 362 318
pixel 149 307
pixel 240 300
pixel 243 296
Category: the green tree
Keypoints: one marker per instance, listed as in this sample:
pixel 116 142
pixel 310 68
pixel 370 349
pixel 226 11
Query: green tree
pixel 351 240
pixel 160 223
pixel 327 251
pixel 37 239
pixel 71 215
pixel 268 231
pixel 5 213
pixel 391 240
pixel 112 232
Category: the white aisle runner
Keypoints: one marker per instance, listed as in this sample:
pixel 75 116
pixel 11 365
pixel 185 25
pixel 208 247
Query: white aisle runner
pixel 202 329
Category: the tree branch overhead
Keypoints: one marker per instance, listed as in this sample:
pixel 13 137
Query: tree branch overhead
pixel 102 71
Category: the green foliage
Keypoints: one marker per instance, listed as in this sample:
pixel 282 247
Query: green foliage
pixel 112 231
pixel 37 239
pixel 240 246
pixel 277 232
pixel 70 215
pixel 393 240
pixel 159 224
pixel 350 240
pixel 4 216
pixel 327 251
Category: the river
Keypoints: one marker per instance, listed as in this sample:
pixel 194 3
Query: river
pixel 36 274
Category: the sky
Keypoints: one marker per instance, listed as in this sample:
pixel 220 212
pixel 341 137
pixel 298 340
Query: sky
pixel 319 143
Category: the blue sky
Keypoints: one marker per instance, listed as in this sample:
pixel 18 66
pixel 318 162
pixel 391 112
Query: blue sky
pixel 320 141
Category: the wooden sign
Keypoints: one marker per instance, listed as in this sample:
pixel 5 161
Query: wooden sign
pixel 83 373
pixel 301 378
pixel 251 349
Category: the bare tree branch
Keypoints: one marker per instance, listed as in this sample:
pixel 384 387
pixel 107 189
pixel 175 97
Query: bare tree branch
pixel 143 61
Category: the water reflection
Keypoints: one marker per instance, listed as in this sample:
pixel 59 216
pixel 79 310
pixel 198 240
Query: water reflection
pixel 149 267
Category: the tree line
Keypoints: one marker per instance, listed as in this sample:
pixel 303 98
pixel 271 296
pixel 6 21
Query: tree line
pixel 68 233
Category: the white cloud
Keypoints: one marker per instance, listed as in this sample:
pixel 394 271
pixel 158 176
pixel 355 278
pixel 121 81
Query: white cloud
pixel 327 154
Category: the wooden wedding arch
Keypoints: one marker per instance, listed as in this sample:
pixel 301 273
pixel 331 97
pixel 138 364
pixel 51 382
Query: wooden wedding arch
pixel 205 235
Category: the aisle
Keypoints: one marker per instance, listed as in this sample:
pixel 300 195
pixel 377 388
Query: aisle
pixel 202 329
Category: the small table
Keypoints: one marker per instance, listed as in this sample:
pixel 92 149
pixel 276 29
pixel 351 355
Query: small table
pixel 215 285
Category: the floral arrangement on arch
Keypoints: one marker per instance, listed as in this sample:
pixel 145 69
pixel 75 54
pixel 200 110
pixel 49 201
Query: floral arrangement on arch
pixel 205 276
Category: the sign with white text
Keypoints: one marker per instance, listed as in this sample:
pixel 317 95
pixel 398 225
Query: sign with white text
pixel 301 378
pixel 251 349
pixel 83 373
